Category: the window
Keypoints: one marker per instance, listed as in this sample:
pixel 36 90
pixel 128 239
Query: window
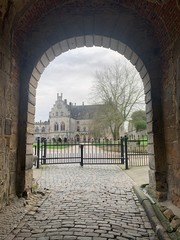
pixel 62 126
pixel 43 129
pixel 77 122
pixel 84 129
pixel 78 128
pixel 56 114
pixel 62 114
pixel 56 127
pixel 37 130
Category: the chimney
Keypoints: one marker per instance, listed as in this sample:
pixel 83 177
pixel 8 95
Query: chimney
pixel 83 103
pixel 65 101
pixel 57 96
pixel 61 96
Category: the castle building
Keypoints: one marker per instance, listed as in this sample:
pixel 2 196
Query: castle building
pixel 66 121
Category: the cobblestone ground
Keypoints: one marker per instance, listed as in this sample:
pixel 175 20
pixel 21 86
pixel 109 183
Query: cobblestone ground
pixel 11 215
pixel 89 203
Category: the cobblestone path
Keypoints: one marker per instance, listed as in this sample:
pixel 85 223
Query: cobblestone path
pixel 89 203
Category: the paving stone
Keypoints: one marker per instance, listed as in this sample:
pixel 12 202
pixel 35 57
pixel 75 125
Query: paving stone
pixel 79 233
pixel 128 236
pixel 70 237
pixel 107 235
pixel 100 231
pixel 24 230
pixel 99 238
pixel 16 231
pixel 37 230
pixel 19 238
pixel 51 230
pixel 30 238
pixel 114 233
pixel 89 230
pixel 122 238
pixel 24 234
pixel 92 234
pixel 105 228
pixel 84 238
pixel 38 235
pixel 80 226
pixel 10 237
pixel 43 238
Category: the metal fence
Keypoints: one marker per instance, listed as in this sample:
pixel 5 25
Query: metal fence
pixel 137 150
pixel 130 151
pixel 91 152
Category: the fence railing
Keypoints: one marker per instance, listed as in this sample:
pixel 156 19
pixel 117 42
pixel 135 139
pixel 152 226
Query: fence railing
pixel 130 151
pixel 137 148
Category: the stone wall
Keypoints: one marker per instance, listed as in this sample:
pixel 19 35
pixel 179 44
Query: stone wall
pixel 9 88
pixel 171 97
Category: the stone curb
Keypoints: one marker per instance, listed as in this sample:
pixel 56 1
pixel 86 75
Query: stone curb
pixel 156 224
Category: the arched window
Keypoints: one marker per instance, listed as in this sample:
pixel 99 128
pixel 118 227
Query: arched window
pixel 77 138
pixel 56 127
pixel 62 126
pixel 43 129
pixel 36 130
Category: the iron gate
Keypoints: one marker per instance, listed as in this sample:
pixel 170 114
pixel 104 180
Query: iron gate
pixel 92 152
pixel 137 150
pixel 128 150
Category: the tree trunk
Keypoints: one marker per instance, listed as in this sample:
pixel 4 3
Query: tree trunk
pixel 116 133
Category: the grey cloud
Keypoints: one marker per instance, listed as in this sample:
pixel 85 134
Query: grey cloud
pixel 72 74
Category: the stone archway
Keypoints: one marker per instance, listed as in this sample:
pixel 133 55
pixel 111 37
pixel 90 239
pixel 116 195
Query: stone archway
pixel 100 23
pixel 100 41
pixel 151 28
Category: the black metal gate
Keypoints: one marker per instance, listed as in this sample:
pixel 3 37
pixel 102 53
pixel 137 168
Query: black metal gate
pixel 137 151
pixel 128 151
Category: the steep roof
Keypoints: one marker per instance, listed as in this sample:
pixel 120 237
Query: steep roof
pixel 84 111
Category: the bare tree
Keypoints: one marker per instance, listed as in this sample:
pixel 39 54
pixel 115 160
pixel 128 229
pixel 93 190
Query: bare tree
pixel 120 92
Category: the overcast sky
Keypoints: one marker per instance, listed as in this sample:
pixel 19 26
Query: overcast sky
pixel 72 73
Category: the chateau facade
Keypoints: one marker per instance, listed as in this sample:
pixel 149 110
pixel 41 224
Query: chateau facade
pixel 67 121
